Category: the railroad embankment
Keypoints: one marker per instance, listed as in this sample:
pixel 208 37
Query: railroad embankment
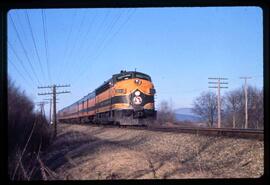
pixel 87 152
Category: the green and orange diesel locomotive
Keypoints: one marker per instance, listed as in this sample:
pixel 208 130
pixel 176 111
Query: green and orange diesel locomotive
pixel 127 98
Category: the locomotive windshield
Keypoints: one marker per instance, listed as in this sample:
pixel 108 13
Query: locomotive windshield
pixel 124 77
pixel 142 76
pixel 129 75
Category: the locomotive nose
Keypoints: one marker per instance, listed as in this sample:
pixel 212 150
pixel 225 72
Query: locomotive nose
pixel 137 98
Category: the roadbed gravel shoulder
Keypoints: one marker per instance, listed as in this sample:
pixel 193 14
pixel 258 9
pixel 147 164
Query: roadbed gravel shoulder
pixel 90 152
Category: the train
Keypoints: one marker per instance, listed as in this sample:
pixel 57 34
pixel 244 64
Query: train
pixel 127 98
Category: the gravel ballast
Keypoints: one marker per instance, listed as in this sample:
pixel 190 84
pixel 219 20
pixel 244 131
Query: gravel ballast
pixel 89 152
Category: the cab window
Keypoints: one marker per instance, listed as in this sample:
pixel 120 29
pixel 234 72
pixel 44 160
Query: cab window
pixel 123 77
pixel 142 76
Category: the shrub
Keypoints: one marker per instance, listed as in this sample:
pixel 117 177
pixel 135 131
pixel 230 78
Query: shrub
pixel 28 133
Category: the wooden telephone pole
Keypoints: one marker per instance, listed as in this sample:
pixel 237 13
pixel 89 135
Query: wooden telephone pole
pixel 54 93
pixel 50 113
pixel 246 101
pixel 218 83
pixel 41 106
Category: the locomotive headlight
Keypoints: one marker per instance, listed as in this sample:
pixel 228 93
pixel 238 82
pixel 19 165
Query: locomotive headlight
pixel 137 93
pixel 137 81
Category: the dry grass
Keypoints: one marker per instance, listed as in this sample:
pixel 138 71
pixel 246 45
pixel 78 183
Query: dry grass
pixel 85 152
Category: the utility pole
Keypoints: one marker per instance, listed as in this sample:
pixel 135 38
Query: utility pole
pixel 246 101
pixel 54 93
pixel 41 106
pixel 218 82
pixel 50 113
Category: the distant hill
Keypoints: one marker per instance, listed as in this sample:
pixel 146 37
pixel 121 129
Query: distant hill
pixel 187 111
pixel 186 114
pixel 185 117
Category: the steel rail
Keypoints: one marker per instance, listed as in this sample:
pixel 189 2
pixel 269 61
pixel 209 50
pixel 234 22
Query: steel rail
pixel 226 132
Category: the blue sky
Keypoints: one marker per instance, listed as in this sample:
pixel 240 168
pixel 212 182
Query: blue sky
pixel 178 47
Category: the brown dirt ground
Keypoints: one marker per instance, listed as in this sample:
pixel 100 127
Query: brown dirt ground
pixel 91 152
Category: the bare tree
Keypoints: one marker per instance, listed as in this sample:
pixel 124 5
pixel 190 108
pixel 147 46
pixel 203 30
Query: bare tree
pixel 206 106
pixel 234 108
pixel 255 107
pixel 165 112
pixel 28 132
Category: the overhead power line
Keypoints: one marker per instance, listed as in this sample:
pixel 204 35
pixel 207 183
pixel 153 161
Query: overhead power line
pixel 35 45
pixel 94 41
pixel 67 43
pixel 77 36
pixel 18 71
pixel 89 28
pixel 21 62
pixel 69 34
pixel 24 50
pixel 20 23
pixel 83 70
pixel 45 35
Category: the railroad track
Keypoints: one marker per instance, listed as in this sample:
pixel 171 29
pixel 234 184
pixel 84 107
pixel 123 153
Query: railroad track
pixel 227 132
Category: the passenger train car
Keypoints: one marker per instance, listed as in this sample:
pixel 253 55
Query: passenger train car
pixel 127 98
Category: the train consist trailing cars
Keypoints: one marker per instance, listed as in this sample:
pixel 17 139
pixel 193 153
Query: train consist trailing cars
pixel 126 98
